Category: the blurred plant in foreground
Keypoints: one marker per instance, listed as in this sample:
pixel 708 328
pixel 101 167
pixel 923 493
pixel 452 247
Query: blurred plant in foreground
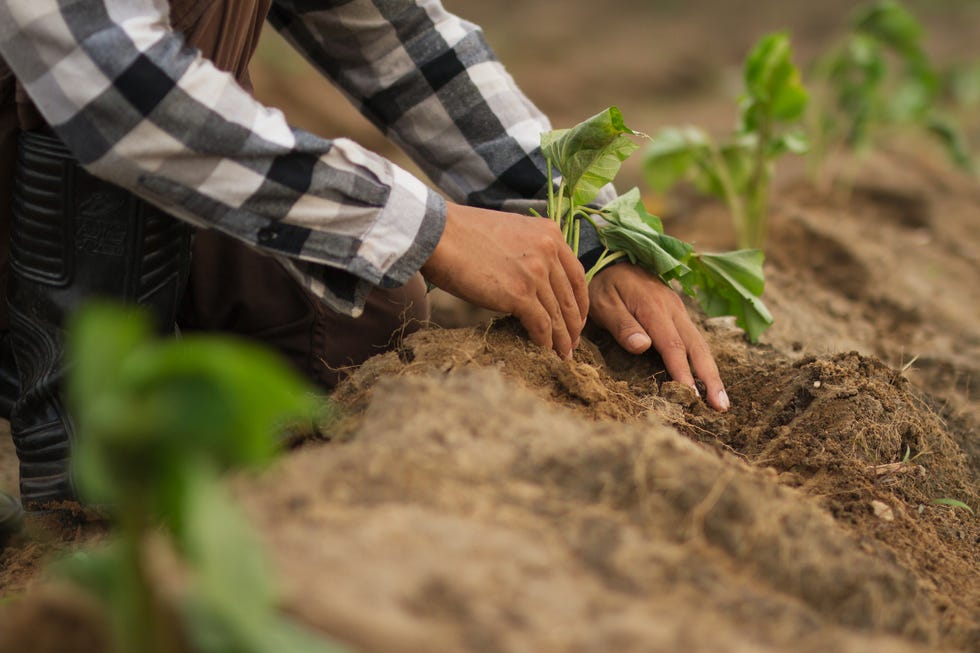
pixel 159 421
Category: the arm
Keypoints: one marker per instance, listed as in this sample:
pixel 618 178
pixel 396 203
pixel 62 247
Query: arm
pixel 140 109
pixel 429 81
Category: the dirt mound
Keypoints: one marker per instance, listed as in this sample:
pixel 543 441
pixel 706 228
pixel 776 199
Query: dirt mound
pixel 504 458
pixel 560 533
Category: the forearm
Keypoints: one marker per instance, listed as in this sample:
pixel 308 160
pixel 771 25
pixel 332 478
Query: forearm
pixel 431 83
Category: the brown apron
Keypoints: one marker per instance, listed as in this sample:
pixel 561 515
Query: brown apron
pixel 233 288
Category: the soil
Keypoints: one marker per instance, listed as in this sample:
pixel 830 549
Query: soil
pixel 483 495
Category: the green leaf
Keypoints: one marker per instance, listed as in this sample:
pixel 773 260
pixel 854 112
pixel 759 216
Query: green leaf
pixel 628 208
pixel 956 503
pixel 211 631
pixel 911 100
pixel 230 569
pixel 671 154
pixel 893 25
pixel 795 142
pixel 99 340
pixel 232 606
pixel 639 234
pixel 954 142
pixel 964 84
pixel 222 397
pixel 654 252
pixel 589 155
pixel 144 407
pixel 772 80
pixel 731 284
pixel 738 156
pixel 95 570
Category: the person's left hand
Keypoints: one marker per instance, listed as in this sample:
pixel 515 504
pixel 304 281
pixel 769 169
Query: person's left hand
pixel 640 310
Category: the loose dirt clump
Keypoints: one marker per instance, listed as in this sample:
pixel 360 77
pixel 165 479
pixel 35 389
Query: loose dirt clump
pixel 582 384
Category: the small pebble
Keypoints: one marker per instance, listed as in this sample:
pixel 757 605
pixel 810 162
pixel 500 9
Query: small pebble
pixel 883 510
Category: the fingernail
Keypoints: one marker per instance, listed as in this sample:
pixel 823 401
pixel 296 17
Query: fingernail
pixel 723 400
pixel 637 341
pixel 695 388
pixel 569 355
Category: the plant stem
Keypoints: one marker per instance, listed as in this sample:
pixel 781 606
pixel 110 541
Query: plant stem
pixel 551 194
pixel 605 259
pixel 758 190
pixel 734 202
pixel 142 628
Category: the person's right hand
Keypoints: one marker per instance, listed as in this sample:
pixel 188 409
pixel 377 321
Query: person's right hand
pixel 513 264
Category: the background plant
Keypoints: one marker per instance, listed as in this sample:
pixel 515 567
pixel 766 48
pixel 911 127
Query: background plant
pixel 588 157
pixel 739 169
pixel 879 79
pixel 159 422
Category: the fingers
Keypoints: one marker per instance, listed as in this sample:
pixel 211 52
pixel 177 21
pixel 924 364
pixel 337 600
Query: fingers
pixel 639 310
pixel 513 264
pixel 673 351
pixel 537 321
pixel 569 317
pixel 576 278
pixel 616 318
pixel 551 322
pixel 703 364
pixel 561 296
pixel 685 353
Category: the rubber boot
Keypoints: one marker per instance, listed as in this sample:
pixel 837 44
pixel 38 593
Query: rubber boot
pixel 74 237
pixel 9 384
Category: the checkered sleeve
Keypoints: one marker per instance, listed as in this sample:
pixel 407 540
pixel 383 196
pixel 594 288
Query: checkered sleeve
pixel 432 84
pixel 138 107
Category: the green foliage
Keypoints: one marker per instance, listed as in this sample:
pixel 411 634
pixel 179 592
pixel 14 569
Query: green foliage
pixel 739 170
pixel 159 421
pixel 878 78
pixel 588 156
pixel 956 503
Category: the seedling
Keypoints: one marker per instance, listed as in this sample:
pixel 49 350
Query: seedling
pixel 739 170
pixel 879 79
pixel 159 421
pixel 588 157
pixel 956 503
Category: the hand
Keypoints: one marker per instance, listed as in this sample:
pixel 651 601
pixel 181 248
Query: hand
pixel 513 264
pixel 640 310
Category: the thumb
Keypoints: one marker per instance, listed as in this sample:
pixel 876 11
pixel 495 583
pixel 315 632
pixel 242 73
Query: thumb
pixel 629 333
pixel 632 337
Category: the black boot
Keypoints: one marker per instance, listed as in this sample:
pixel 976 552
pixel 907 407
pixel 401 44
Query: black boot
pixel 74 237
pixel 9 384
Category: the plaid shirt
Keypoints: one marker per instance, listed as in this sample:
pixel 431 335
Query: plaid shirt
pixel 138 107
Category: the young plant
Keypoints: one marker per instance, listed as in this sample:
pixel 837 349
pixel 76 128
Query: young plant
pixel 159 422
pixel 878 79
pixel 956 503
pixel 588 157
pixel 739 170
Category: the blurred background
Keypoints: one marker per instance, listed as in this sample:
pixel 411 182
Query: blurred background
pixel 663 62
